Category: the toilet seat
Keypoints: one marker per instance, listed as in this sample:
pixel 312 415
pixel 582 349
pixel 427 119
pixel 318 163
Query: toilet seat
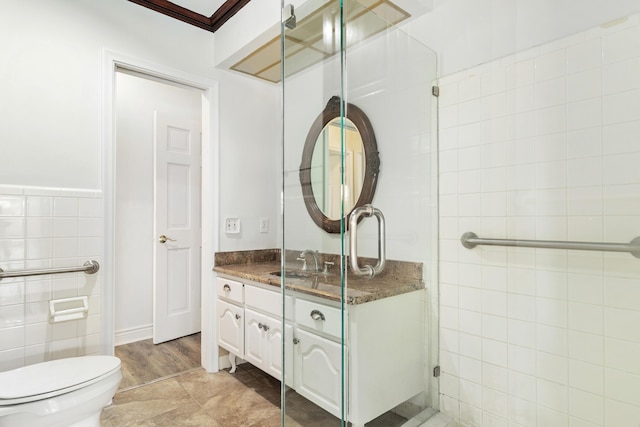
pixel 55 377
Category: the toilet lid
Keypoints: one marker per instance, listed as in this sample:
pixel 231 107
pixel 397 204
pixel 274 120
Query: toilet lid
pixel 55 375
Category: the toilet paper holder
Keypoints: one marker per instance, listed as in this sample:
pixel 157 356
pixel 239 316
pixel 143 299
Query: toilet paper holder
pixel 65 309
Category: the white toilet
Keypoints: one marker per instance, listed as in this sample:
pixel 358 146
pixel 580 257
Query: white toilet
pixel 60 393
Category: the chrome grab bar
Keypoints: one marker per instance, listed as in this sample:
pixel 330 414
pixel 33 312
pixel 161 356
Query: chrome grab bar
pixel 89 267
pixel 470 240
pixel 367 270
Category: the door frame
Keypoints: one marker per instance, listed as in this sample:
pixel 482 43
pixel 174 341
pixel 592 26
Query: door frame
pixel 111 61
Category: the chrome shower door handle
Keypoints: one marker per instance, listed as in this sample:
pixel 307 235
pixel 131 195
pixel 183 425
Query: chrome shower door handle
pixel 367 270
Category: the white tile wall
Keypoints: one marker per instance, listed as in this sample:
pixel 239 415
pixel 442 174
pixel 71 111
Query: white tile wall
pixel 47 227
pixel 542 145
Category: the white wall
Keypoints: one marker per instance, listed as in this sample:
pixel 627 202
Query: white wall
pixel 542 145
pixel 466 33
pixel 250 161
pixel 50 76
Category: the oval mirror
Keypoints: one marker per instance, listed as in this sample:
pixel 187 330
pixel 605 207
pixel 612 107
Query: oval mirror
pixel 322 158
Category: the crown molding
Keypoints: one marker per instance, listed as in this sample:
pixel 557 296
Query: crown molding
pixel 211 23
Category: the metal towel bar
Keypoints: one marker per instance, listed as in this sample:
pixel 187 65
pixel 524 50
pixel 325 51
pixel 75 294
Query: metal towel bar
pixel 89 267
pixel 470 240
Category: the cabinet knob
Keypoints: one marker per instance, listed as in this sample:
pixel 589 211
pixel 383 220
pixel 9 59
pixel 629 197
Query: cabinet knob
pixel 226 288
pixel 260 326
pixel 296 341
pixel 238 316
pixel 317 315
pixel 265 327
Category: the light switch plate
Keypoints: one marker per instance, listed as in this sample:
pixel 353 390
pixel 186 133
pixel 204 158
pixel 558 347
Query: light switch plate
pixel 232 225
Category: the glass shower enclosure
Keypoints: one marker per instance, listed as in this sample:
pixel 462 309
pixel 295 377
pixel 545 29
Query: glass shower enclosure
pixel 358 216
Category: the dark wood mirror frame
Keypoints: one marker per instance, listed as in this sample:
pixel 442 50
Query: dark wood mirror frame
pixel 372 162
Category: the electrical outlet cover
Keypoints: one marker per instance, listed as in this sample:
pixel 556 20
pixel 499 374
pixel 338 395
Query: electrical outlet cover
pixel 264 225
pixel 232 225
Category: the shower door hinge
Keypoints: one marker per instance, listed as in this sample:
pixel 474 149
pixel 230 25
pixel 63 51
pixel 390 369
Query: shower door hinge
pixel 289 17
pixel 435 91
pixel 436 371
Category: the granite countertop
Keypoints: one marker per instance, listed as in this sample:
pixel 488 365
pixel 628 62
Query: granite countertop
pixel 261 266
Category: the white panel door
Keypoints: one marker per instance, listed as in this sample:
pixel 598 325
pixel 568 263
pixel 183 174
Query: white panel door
pixel 176 308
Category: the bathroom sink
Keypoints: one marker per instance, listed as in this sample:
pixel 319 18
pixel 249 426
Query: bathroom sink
pixel 292 274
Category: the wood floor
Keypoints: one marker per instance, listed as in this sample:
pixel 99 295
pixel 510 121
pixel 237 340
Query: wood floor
pixel 164 385
pixel 144 362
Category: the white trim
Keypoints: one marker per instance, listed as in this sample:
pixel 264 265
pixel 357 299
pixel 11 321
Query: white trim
pixel 210 109
pixel 130 335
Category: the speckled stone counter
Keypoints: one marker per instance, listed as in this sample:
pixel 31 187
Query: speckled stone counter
pixel 263 266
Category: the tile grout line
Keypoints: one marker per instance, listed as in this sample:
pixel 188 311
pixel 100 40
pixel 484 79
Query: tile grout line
pixel 133 387
pixel 193 399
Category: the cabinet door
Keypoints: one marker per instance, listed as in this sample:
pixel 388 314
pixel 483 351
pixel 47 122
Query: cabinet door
pixel 231 327
pixel 273 359
pixel 318 371
pixel 254 338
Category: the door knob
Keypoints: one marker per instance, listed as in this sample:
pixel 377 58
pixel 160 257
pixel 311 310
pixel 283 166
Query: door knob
pixel 163 239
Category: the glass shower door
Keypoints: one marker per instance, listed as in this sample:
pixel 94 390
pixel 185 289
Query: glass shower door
pixel 358 213
pixel 313 204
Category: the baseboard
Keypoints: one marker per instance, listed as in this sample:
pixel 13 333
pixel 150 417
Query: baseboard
pixel 126 336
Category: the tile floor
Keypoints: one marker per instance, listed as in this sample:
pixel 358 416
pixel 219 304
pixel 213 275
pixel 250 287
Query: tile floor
pixel 193 397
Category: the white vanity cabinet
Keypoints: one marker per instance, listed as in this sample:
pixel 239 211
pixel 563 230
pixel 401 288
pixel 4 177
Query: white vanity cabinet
pixel 249 326
pixel 381 356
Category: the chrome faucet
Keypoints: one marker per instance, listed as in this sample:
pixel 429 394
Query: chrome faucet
pixel 303 257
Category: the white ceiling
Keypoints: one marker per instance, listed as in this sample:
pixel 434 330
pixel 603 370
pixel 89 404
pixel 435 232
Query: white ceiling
pixel 203 7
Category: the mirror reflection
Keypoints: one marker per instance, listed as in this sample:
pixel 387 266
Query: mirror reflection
pixel 324 186
pixel 326 166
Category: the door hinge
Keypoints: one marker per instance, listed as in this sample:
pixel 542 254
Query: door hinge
pixel 436 371
pixel 435 91
pixel 289 17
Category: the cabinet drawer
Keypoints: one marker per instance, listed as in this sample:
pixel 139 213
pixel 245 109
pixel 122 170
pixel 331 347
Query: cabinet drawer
pixel 267 301
pixel 319 317
pixel 229 289
pixel 263 300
